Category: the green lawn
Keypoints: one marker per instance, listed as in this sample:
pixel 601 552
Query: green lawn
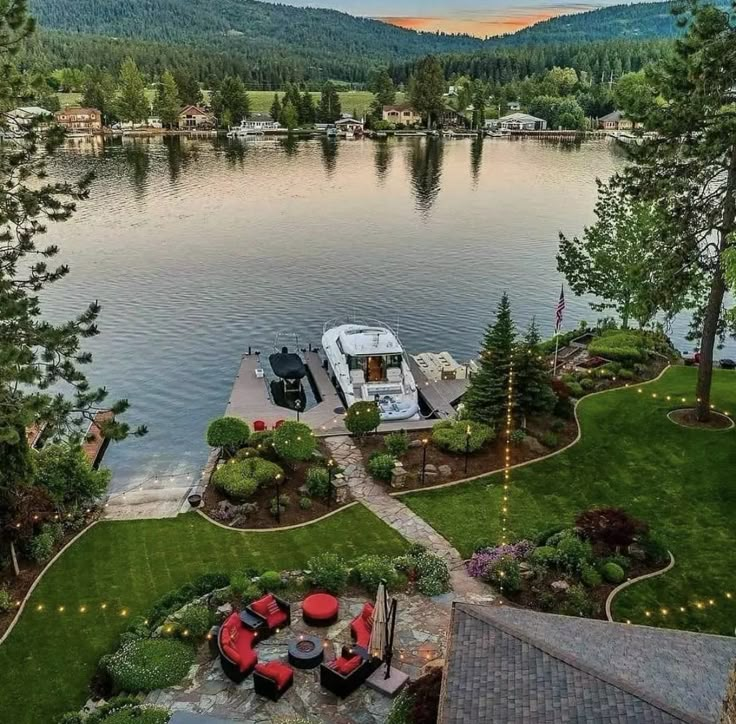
pixel 48 660
pixel 683 482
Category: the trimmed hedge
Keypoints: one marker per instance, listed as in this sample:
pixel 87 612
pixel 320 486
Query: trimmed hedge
pixel 229 433
pixel 452 435
pixel 294 441
pixel 362 418
pixel 620 345
pixel 241 478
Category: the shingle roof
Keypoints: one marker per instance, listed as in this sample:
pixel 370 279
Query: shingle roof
pixel 612 117
pixel 512 665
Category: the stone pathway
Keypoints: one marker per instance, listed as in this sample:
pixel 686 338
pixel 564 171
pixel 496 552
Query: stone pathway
pixel 421 628
pixel 402 519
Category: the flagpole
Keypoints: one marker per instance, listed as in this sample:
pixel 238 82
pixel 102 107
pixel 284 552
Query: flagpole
pixel 557 349
pixel 558 326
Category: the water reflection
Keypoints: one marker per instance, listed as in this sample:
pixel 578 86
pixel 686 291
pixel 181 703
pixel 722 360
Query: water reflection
pixel 476 158
pixel 178 155
pixel 139 162
pixel 383 155
pixel 329 154
pixel 425 167
pixel 290 144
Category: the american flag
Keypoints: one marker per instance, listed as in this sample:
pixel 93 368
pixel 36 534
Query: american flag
pixel 560 309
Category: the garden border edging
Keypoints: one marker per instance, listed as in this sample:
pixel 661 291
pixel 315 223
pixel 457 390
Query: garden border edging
pixel 40 576
pixel 439 486
pixel 632 581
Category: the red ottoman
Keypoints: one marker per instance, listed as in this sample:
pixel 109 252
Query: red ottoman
pixel 320 609
pixel 272 679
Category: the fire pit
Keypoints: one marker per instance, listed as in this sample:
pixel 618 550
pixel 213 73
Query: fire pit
pixel 306 652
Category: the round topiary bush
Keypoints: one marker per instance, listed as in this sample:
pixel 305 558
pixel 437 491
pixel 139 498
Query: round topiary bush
pixel 240 479
pixel 294 441
pixel 613 573
pixel 270 581
pixel 458 435
pixel 148 664
pixel 228 433
pixel 381 466
pixel 362 418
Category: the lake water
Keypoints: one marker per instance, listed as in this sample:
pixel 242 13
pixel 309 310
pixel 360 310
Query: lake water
pixel 197 249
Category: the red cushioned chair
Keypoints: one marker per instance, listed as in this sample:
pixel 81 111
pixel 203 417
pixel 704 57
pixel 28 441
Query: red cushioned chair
pixel 346 673
pixel 275 613
pixel 278 424
pixel 272 679
pixel 259 425
pixel 235 643
pixel 361 626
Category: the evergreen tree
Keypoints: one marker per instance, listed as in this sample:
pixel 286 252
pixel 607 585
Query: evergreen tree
pixel 168 104
pixel 384 92
pixel 190 92
pixel 307 109
pixel 426 89
pixel 131 102
pixel 329 109
pixel 99 92
pixel 487 395
pixel 230 102
pixel 289 116
pixel 276 108
pixel 532 389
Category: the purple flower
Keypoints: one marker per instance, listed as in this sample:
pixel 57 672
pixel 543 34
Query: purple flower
pixel 486 557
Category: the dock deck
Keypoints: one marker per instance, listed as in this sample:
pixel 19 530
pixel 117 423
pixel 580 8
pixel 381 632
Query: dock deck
pixel 250 399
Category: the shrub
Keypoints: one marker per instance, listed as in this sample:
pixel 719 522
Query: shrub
pixel 381 466
pixel 482 559
pixel 544 556
pixel 120 710
pixel 572 553
pixel 397 443
pixel 195 620
pixel 518 437
pixel 241 478
pixel 148 664
pixel 242 587
pixel 576 602
pixel 542 538
pixel 625 374
pixel 41 546
pixel 369 570
pixel 174 600
pixel 612 527
pixel 270 581
pixel 557 426
pixel 433 575
pixel 328 571
pixel 619 559
pixel 229 433
pixel 621 345
pixel 655 549
pixel 452 435
pixel 504 572
pixel 279 506
pixel 5 601
pixel 262 441
pixel 549 439
pixel 362 418
pixel 587 384
pixel 305 502
pixel 589 576
pixel 318 482
pixel 294 441
pixel 564 408
pixel 612 572
pixel 576 390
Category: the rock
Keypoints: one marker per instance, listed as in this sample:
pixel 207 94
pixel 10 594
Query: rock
pixel 533 445
pixel 445 471
pixel 225 610
pixel 560 586
pixel 430 468
pixel 415 443
pixel 303 490
pixel 637 552
pixel 398 479
pixel 225 506
pixel 525 570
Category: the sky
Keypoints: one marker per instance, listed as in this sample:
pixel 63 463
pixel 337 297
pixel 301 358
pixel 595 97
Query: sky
pixel 476 17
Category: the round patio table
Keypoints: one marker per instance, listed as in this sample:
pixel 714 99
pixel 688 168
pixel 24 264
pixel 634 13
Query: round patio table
pixel 306 652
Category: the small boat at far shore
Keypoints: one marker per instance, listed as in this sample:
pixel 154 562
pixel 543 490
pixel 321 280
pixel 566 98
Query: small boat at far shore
pixel 367 363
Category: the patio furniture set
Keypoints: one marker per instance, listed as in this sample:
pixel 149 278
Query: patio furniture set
pixel 242 630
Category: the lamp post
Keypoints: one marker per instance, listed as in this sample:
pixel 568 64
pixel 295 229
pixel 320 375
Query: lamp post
pixel 330 463
pixel 467 447
pixel 425 442
pixel 278 497
pixel 297 407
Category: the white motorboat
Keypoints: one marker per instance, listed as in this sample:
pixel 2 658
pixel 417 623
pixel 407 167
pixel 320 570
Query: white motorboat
pixel 367 363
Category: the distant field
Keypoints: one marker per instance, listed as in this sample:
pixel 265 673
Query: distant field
pixel 260 101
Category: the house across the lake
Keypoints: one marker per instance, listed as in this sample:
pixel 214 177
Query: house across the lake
pixel 517 122
pixel 194 118
pixel 260 122
pixel 402 113
pixel 80 120
pixel 617 121
pixel 349 125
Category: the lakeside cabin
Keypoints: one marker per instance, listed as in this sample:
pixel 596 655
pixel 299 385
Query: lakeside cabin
pixel 516 122
pixel 350 126
pixel 401 113
pixel 76 119
pixel 260 122
pixel 617 121
pixel 195 118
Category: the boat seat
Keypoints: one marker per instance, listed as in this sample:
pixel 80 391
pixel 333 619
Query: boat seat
pixel 393 374
pixel 357 378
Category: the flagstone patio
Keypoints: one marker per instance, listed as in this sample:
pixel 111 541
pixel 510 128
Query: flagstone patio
pixel 421 627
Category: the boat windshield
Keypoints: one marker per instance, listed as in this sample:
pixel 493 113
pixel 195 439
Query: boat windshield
pixel 374 366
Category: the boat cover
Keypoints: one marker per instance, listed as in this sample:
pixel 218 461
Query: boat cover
pixel 287 365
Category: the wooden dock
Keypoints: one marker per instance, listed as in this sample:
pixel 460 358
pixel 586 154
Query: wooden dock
pixel 250 399
pixel 94 444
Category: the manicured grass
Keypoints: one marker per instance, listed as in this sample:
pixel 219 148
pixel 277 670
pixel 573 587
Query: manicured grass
pixel 681 481
pixel 48 660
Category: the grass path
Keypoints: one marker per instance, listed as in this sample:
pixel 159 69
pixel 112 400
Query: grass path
pixel 48 660
pixel 682 482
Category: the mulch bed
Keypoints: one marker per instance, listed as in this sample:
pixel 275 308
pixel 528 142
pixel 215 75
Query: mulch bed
pixel 18 586
pixel 487 460
pixel 688 418
pixel 294 478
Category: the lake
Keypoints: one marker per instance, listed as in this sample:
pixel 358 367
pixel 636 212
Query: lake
pixel 197 249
